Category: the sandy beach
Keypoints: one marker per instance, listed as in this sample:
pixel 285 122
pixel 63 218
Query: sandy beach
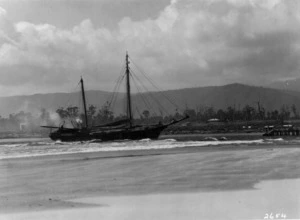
pixel 190 183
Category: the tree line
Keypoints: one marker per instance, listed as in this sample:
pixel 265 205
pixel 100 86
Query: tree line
pixel 27 122
pixel 247 113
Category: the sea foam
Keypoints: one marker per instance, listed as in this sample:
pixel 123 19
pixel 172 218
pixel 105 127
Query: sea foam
pixel 56 148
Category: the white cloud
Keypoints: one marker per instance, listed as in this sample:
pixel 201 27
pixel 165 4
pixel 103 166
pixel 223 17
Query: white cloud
pixel 2 12
pixel 190 42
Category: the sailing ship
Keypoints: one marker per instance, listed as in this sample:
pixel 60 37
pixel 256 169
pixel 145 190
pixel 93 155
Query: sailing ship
pixel 120 130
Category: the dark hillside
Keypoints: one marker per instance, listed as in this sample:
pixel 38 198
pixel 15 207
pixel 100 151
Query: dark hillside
pixel 220 97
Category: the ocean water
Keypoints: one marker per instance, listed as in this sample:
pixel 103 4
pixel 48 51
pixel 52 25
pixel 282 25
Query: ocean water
pixel 19 148
pixel 209 176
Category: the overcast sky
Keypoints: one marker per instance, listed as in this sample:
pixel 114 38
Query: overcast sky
pixel 46 45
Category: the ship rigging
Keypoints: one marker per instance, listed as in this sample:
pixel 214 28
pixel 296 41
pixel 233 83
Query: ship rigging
pixel 118 130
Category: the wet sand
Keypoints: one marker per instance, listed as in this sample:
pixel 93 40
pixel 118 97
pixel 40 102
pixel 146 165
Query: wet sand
pixel 243 204
pixel 189 183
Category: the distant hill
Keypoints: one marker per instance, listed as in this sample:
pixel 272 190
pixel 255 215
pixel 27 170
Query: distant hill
pixel 51 101
pixel 220 97
pixel 238 95
pixel 292 85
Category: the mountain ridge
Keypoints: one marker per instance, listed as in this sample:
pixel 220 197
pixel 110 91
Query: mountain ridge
pixel 219 97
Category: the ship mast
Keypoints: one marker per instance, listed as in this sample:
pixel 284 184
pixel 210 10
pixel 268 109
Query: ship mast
pixel 84 103
pixel 129 110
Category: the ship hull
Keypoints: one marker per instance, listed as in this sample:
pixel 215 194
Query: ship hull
pixel 130 134
pixel 66 135
pixel 108 135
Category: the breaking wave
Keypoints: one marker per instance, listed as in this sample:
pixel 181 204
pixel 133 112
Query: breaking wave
pixel 43 148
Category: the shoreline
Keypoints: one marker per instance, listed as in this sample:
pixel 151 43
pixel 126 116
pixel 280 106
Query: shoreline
pixel 206 143
pixel 94 155
pixel 8 139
